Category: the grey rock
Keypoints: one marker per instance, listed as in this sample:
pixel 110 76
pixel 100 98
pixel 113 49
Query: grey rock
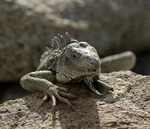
pixel 26 28
pixel 128 106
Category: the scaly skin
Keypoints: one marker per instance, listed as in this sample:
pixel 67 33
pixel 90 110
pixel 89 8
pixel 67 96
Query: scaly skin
pixel 67 61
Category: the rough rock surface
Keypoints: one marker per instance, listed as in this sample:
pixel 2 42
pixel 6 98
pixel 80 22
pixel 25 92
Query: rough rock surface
pixel 128 106
pixel 26 27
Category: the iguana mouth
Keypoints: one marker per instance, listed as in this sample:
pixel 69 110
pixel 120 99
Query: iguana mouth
pixel 91 70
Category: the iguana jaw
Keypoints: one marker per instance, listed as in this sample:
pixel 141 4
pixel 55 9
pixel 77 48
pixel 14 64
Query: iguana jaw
pixel 77 61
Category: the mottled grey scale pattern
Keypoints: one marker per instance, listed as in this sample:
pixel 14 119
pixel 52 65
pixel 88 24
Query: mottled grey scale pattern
pixel 32 86
pixel 49 58
pixel 38 81
pixel 64 76
pixel 66 61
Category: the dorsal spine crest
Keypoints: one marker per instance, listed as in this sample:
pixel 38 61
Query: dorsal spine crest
pixel 60 41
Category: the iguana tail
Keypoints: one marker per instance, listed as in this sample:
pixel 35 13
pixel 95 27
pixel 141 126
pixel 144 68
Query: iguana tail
pixel 122 61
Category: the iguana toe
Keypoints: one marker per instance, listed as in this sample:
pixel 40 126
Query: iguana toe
pixel 59 93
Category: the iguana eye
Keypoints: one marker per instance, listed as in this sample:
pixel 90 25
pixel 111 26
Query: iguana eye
pixel 83 44
pixel 74 56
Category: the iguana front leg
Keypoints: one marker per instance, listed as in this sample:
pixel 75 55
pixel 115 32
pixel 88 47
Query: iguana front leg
pixel 97 86
pixel 43 81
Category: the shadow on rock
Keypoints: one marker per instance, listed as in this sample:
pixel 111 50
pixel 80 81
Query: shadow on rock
pixel 84 111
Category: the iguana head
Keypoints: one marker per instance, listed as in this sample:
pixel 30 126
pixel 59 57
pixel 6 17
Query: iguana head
pixel 77 61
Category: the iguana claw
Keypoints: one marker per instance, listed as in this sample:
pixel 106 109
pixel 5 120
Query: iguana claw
pixel 59 93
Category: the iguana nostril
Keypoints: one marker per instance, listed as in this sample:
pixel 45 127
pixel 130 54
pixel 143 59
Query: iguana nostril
pixel 91 70
pixel 95 63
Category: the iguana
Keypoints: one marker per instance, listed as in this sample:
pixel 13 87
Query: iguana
pixel 68 60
